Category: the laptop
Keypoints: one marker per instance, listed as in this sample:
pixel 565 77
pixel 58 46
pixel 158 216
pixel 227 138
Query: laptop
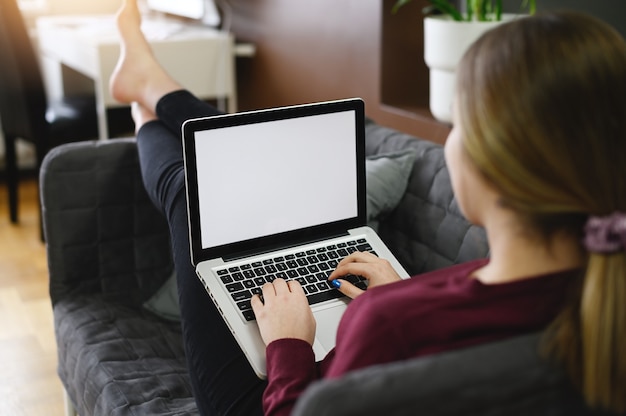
pixel 278 193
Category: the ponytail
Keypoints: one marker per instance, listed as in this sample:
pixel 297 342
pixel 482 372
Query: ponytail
pixel 589 337
pixel 603 331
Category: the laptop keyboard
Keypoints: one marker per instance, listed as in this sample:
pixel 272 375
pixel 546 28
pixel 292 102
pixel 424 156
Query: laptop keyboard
pixel 310 268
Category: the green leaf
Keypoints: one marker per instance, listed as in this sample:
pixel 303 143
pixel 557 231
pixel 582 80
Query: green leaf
pixel 481 10
pixel 430 9
pixel 469 5
pixel 531 5
pixel 399 4
pixel 446 8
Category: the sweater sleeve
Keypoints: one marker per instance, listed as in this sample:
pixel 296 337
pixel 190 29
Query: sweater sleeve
pixel 366 337
pixel 291 368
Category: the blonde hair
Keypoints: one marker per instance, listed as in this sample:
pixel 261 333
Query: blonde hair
pixel 542 104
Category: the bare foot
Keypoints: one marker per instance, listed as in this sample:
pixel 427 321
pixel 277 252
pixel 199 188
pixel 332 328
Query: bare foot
pixel 141 115
pixel 138 77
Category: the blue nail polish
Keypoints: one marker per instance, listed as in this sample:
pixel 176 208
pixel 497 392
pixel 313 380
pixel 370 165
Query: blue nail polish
pixel 336 283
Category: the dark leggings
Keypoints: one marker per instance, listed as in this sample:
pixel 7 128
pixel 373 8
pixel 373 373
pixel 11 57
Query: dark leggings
pixel 223 382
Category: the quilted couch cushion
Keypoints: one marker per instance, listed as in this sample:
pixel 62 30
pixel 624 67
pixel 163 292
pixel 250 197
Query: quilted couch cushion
pixel 107 236
pixel 426 231
pixel 116 360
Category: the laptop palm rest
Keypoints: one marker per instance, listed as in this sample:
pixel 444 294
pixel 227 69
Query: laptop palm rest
pixel 325 334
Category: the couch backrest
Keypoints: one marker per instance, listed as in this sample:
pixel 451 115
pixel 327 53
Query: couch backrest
pixel 426 231
pixel 504 378
pixel 103 234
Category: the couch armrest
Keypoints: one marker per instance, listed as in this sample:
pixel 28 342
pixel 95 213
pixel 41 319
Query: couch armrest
pixel 102 232
pixel 502 378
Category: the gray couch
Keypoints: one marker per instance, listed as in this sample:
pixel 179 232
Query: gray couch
pixel 108 252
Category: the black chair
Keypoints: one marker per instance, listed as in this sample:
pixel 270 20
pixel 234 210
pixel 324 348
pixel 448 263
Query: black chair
pixel 24 110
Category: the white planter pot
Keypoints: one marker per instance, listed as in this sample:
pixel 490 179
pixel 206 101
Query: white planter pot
pixel 445 42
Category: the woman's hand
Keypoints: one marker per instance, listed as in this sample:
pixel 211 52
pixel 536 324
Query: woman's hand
pixel 284 312
pixel 376 270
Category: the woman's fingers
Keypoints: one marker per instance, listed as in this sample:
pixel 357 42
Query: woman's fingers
pixel 358 264
pixel 359 256
pixel 284 312
pixel 347 288
pixel 275 288
pixel 376 270
pixel 295 287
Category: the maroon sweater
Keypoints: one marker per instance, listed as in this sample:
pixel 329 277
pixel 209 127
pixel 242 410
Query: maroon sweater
pixel 438 311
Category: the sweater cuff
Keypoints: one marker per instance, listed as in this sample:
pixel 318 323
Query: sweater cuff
pixel 288 357
pixel 290 369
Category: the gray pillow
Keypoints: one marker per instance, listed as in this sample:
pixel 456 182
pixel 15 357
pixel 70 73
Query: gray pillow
pixel 387 177
pixel 164 302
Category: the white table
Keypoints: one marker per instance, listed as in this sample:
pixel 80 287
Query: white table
pixel 199 57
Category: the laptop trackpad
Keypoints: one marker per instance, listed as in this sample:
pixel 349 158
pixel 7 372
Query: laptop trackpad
pixel 327 323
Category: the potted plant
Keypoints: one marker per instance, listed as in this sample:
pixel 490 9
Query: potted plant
pixel 447 36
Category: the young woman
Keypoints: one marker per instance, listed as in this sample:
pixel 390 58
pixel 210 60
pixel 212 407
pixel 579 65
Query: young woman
pixel 536 156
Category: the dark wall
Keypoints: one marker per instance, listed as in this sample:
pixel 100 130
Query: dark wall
pixel 330 49
pixel 611 11
pixel 305 49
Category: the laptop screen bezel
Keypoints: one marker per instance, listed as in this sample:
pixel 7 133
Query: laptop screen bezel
pixel 284 239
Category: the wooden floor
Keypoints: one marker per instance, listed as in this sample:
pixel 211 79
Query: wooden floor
pixel 29 384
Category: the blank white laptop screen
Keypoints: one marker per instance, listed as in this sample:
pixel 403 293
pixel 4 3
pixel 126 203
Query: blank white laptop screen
pixel 271 177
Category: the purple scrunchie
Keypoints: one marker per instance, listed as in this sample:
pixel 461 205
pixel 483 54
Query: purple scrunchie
pixel 606 235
